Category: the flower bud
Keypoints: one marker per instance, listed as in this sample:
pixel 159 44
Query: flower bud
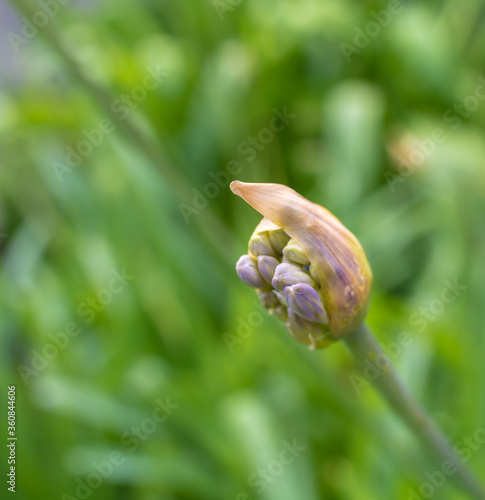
pixel 278 239
pixel 305 302
pixel 313 272
pixel 337 267
pixel 267 266
pixel 289 274
pixel 259 245
pixel 247 270
pixel 306 332
pixel 293 253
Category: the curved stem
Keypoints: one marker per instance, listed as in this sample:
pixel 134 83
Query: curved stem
pixel 365 346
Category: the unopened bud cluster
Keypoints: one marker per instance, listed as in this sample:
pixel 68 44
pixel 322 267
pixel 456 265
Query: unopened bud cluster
pixel 278 268
pixel 308 269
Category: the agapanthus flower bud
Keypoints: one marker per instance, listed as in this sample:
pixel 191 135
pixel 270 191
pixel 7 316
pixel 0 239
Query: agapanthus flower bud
pixel 290 274
pixel 305 301
pixel 259 245
pixel 267 266
pixel 329 257
pixel 307 332
pixel 247 270
pixel 312 269
pixel 295 254
pixel 278 239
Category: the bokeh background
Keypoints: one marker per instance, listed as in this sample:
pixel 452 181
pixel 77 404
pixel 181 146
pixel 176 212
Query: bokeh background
pixel 377 135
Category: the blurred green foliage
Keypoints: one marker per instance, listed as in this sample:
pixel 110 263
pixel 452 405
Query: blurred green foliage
pixel 361 144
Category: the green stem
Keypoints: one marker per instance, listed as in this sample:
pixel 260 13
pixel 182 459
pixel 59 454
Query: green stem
pixel 365 346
